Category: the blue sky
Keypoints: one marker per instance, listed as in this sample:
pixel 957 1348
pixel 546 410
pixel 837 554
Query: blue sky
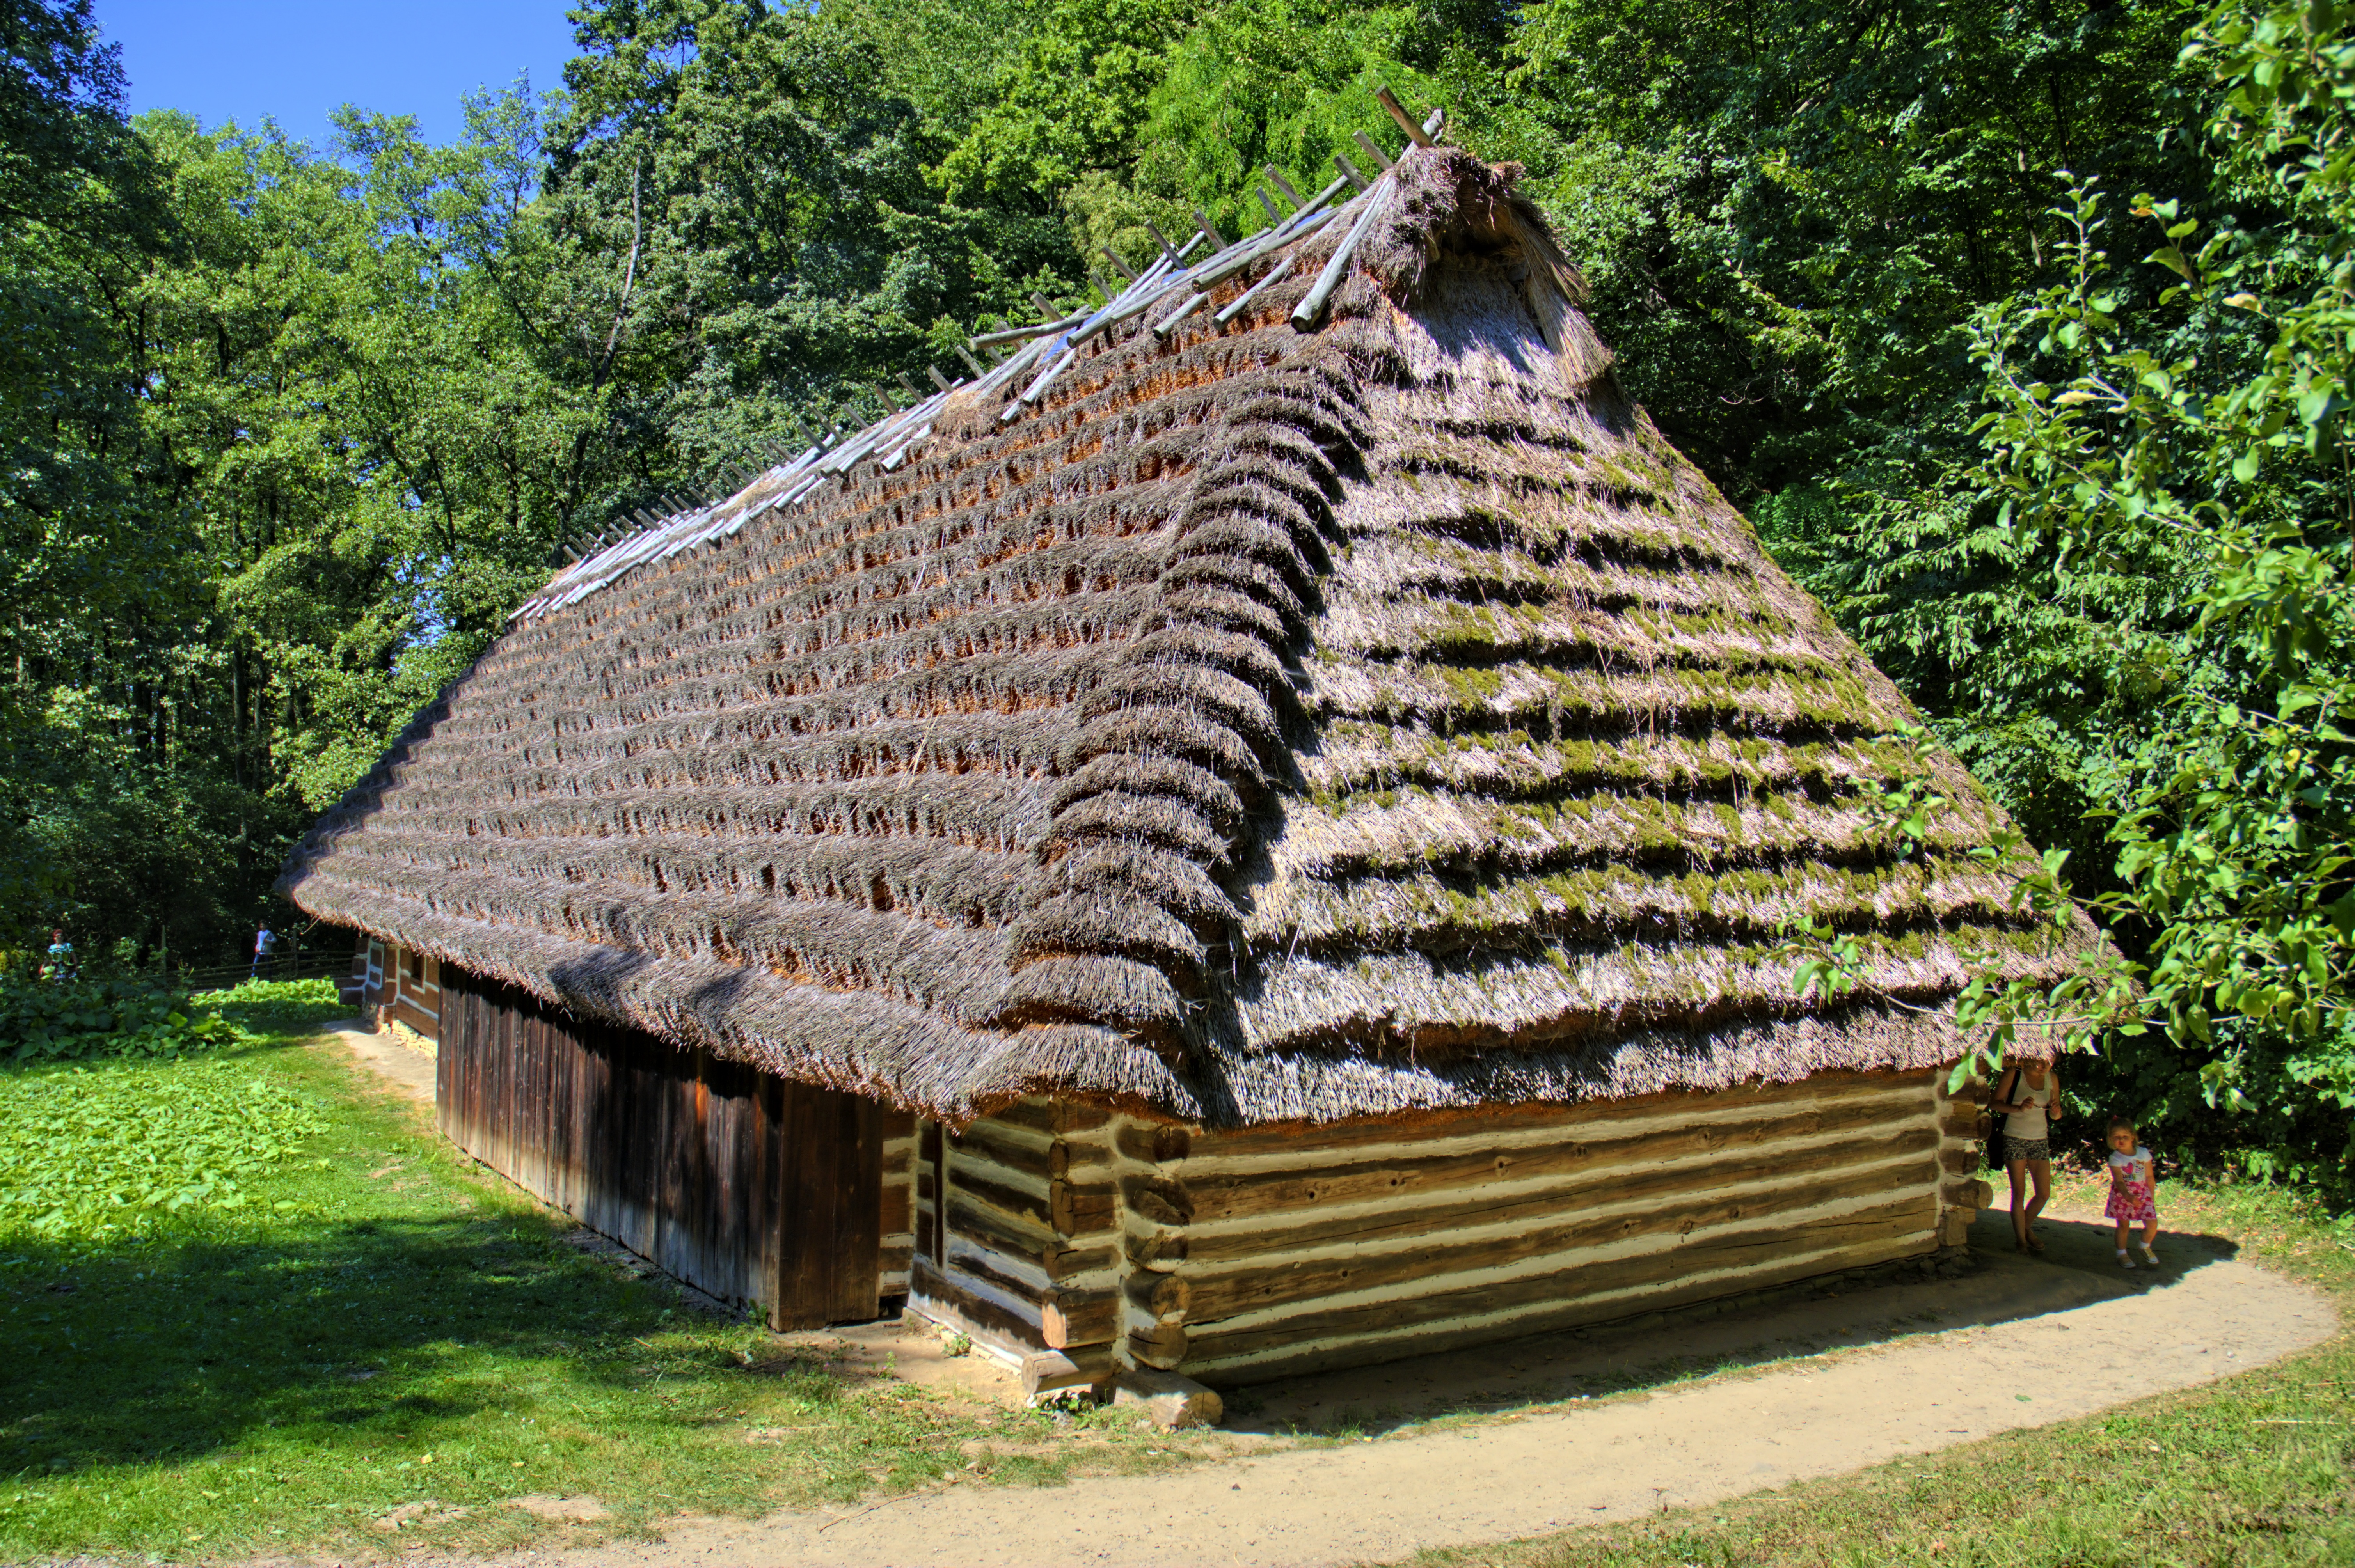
pixel 297 60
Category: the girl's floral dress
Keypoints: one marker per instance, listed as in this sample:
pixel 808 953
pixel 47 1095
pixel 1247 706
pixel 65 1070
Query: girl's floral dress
pixel 2135 1203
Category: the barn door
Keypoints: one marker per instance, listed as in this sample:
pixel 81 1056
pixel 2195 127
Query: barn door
pixel 826 1256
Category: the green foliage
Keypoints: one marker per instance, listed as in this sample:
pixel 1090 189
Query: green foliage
pixel 267 1006
pixel 2199 424
pixel 103 1016
pixel 92 1154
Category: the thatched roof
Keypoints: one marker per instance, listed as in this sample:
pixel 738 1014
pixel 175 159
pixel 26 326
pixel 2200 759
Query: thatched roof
pixel 1267 719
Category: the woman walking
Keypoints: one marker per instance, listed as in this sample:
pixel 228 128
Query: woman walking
pixel 2028 1097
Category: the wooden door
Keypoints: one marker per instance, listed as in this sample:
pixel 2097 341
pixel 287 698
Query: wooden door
pixel 828 1255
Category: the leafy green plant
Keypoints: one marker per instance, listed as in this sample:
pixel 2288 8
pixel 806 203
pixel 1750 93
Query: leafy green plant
pixel 98 1153
pixel 103 1016
pixel 264 1006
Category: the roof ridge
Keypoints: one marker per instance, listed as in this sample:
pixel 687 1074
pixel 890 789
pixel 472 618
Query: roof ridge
pixel 1051 351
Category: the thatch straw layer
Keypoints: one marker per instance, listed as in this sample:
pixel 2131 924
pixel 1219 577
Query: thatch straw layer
pixel 1253 725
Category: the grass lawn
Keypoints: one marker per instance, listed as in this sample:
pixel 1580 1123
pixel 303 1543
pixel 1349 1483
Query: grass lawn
pixel 360 1323
pixel 2255 1470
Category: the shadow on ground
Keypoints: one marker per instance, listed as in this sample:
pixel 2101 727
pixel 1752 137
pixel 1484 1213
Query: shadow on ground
pixel 365 1329
pixel 2077 1268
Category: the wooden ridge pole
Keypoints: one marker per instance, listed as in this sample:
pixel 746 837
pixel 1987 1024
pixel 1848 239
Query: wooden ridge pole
pixel 1415 133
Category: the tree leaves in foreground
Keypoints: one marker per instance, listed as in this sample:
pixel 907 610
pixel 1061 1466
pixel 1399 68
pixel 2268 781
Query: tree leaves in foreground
pixel 2201 424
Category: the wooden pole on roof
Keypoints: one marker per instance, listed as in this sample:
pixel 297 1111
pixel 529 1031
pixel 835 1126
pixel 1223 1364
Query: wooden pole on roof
pixel 1039 300
pixel 970 363
pixel 1106 290
pixel 1373 149
pixel 1350 171
pixel 1163 240
pixel 889 401
pixel 1285 185
pixel 907 386
pixel 1209 231
pixel 1414 131
pixel 1126 270
pixel 1273 216
pixel 939 380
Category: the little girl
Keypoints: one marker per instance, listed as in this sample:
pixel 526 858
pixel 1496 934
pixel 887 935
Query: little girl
pixel 2133 1195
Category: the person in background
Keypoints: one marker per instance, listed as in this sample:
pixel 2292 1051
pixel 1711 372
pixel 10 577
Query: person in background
pixel 265 941
pixel 2028 1097
pixel 60 965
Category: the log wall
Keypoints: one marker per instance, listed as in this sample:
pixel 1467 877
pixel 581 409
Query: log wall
pixel 1017 1221
pixel 747 1187
pixel 1279 1250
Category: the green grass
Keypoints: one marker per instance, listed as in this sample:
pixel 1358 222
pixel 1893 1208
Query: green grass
pixel 2251 1472
pixel 380 1323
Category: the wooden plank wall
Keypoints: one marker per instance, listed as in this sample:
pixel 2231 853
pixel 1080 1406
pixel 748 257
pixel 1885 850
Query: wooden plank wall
pixel 1272 1251
pixel 408 988
pixel 745 1186
pixel 1018 1229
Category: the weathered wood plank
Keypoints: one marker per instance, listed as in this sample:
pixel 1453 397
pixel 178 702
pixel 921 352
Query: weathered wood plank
pixel 930 1289
pixel 1243 1195
pixel 1055 1116
pixel 1013 1147
pixel 1912 1220
pixel 1277 1282
pixel 1415 1215
pixel 1204 1359
pixel 1290 1138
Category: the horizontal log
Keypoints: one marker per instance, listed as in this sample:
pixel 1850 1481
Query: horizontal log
pixel 1153 1145
pixel 1013 1201
pixel 1702 1218
pixel 1960 1161
pixel 1161 1250
pixel 897 1124
pixel 1164 1345
pixel 1163 1201
pixel 1968 1194
pixel 1081 1318
pixel 1082 1210
pixel 992 1226
pixel 1961 1122
pixel 992 1268
pixel 897 1259
pixel 1244 1196
pixel 1414 1216
pixel 1204 1359
pixel 899 1207
pixel 899 1161
pixel 1051 1372
pixel 1289 1138
pixel 1016 1148
pixel 984 1225
pixel 936 1296
pixel 1912 1219
pixel 1056 1117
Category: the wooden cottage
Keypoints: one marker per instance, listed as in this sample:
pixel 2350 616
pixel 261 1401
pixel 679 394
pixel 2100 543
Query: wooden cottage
pixel 1253 836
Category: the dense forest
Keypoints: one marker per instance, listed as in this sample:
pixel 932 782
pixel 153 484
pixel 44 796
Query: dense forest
pixel 2020 328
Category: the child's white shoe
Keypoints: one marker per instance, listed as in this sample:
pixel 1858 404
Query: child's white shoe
pixel 2124 1261
pixel 2150 1258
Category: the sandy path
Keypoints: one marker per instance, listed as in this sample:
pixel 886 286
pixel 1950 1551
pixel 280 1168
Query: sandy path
pixel 404 1070
pixel 2063 1331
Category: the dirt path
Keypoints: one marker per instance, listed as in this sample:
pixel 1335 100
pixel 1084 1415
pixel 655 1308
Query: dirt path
pixel 404 1068
pixel 2068 1329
